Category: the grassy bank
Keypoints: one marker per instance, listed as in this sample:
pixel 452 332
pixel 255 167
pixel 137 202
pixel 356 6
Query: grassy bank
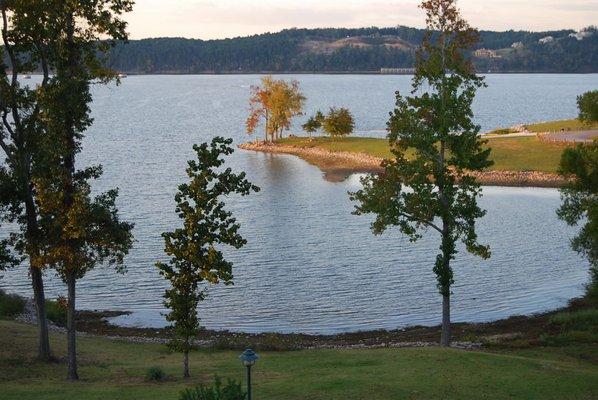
pixel 556 126
pixel 116 370
pixel 508 154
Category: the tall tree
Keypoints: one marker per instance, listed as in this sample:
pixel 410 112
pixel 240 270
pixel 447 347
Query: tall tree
pixel 580 203
pixel 79 232
pixel 274 103
pixel 193 249
pixel 25 34
pixel 434 143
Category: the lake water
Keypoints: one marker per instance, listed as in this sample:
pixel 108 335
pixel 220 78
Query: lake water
pixel 311 266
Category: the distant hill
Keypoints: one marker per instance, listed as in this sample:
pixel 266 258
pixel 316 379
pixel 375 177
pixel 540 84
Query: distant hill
pixel 353 50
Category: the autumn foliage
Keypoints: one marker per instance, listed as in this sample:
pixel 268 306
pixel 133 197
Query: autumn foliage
pixel 274 103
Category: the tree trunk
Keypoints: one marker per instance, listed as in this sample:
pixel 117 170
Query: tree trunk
pixel 445 340
pixel 43 351
pixel 186 365
pixel 37 280
pixel 70 326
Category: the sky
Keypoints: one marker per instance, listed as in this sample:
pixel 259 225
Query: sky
pixel 217 19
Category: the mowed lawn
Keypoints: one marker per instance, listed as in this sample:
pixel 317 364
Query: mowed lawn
pixel 508 154
pixel 116 370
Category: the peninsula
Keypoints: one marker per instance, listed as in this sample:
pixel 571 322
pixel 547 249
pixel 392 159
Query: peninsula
pixel 528 157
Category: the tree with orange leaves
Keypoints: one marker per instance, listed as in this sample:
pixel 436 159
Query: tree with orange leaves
pixel 274 103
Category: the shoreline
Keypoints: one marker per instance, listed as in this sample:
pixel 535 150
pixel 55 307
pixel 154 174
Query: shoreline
pixel 513 331
pixel 339 165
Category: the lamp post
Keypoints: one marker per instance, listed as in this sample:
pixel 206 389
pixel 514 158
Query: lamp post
pixel 248 358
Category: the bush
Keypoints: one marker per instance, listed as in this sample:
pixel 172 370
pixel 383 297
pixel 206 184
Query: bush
pixel 11 305
pixel 577 320
pixel 231 391
pixel 588 107
pixel 339 122
pixel 56 311
pixel 156 374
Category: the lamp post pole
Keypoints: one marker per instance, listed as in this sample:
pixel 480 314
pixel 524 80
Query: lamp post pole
pixel 249 382
pixel 248 358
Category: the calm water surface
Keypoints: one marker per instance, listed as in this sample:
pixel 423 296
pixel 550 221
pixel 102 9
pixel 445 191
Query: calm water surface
pixel 311 266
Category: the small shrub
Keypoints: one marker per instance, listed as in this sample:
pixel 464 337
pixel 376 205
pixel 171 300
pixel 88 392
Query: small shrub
pixel 155 374
pixel 56 311
pixel 231 391
pixel 577 320
pixel 11 305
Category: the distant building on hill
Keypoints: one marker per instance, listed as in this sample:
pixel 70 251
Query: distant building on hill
pixel 517 45
pixel 485 53
pixel 581 35
pixel 397 71
pixel 545 40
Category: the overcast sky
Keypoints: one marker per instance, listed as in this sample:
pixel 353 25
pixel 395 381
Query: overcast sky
pixel 210 19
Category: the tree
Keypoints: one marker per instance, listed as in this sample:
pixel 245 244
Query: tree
pixel 24 38
pixel 434 143
pixel 193 249
pixel 580 203
pixel 79 232
pixel 588 107
pixel 338 122
pixel 314 123
pixel 276 102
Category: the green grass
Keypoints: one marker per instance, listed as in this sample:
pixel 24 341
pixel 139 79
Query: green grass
pixel 508 154
pixel 117 370
pixel 525 154
pixel 372 146
pixel 556 126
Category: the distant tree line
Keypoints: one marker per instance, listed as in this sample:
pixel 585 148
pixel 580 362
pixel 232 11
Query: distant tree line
pixel 287 51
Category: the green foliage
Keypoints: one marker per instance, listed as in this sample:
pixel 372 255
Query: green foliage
pixel 338 122
pixel 434 142
pixel 504 131
pixel 155 374
pixel 580 203
pixel 193 249
pixel 231 391
pixel 56 311
pixel 314 123
pixel 11 305
pixel 588 107
pixel 578 320
pixel 416 191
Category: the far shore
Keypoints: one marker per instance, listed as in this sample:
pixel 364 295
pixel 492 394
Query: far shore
pixel 339 165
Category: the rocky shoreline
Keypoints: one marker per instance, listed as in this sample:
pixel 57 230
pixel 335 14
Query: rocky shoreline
pixel 337 166
pixel 516 331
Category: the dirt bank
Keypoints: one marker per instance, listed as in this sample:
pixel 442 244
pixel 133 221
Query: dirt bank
pixel 338 165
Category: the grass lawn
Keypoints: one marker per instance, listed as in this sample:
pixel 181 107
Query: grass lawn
pixel 508 154
pixel 556 126
pixel 116 370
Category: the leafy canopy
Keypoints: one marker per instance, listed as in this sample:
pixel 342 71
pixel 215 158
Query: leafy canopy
pixel 580 201
pixel 195 257
pixel 430 189
pixel 588 107
pixel 338 122
pixel 314 123
pixel 275 103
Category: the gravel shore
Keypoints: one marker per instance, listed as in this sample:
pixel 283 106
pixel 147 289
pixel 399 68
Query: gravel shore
pixel 338 165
